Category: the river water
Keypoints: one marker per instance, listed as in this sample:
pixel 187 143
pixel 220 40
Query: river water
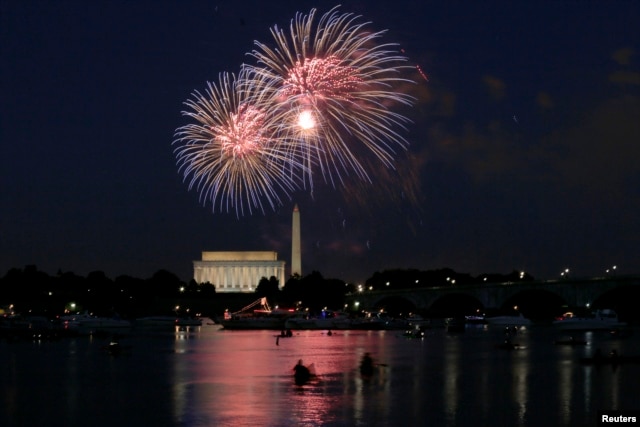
pixel 206 376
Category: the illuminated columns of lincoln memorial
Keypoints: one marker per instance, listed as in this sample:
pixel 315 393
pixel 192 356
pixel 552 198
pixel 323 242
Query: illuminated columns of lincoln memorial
pixel 238 271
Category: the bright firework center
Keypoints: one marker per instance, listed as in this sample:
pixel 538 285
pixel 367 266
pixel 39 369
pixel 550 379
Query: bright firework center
pixel 237 271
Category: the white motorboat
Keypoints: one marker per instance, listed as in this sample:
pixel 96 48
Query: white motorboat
pixel 604 319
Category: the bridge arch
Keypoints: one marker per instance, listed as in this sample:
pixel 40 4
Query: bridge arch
pixel 571 293
pixel 534 303
pixel 453 304
pixel 395 305
pixel 379 299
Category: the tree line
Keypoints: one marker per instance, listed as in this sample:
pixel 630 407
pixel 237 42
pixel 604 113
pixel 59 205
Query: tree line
pixel 37 292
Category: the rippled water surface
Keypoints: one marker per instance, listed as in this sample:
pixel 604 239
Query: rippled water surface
pixel 206 376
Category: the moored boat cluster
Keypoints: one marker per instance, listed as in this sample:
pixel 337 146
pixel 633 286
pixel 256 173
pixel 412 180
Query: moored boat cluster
pixel 16 327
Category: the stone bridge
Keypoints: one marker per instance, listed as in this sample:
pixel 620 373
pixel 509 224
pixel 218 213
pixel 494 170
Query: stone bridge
pixel 575 292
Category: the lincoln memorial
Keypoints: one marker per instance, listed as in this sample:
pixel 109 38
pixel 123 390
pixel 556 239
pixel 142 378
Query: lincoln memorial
pixel 238 271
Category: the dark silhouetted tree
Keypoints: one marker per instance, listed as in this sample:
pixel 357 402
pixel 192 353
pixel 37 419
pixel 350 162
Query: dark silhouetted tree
pixel 268 288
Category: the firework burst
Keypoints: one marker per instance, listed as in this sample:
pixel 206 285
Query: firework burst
pixel 232 152
pixel 322 100
pixel 334 87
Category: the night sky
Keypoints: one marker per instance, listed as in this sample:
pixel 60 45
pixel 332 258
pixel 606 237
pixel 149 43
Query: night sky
pixel 524 147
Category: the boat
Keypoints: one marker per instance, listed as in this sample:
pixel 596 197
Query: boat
pixel 371 323
pixel 329 320
pixel 519 320
pixel 367 368
pixel 188 321
pixel 415 333
pixel 604 319
pixel 475 319
pixel 257 318
pixel 417 321
pixel 302 374
pixel 15 327
pixel 87 324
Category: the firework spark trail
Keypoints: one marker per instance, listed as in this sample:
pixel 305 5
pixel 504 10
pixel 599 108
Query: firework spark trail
pixel 232 153
pixel 335 73
pixel 326 91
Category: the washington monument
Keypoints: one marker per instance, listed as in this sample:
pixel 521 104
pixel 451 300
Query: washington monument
pixel 296 261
